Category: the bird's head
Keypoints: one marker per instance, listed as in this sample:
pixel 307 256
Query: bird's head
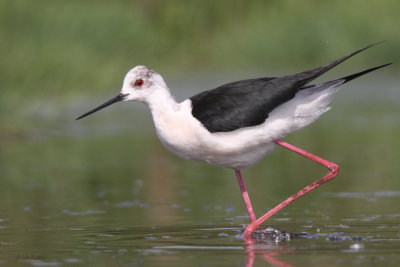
pixel 140 84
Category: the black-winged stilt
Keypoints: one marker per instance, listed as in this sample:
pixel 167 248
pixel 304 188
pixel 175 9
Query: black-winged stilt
pixel 236 124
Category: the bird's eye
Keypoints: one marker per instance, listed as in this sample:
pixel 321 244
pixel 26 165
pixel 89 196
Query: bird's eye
pixel 139 82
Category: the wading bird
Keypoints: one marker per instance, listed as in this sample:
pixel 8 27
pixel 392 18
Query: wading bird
pixel 236 124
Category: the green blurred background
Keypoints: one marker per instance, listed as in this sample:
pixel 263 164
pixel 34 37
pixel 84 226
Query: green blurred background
pixel 52 51
pixel 59 59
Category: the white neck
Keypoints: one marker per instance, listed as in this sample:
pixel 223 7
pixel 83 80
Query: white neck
pixel 161 102
pixel 163 109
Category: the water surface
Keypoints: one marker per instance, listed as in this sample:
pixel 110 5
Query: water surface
pixel 103 191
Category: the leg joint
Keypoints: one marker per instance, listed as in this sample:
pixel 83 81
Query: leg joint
pixel 333 168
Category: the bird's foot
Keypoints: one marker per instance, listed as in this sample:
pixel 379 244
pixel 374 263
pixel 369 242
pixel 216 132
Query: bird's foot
pixel 248 232
pixel 255 235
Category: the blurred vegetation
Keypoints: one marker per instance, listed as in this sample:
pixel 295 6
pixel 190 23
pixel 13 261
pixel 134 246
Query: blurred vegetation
pixel 54 50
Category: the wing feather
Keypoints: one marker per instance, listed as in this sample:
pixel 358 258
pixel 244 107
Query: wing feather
pixel 248 102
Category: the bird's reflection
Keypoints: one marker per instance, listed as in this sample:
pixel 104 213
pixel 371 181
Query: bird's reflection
pixel 270 257
pixel 266 243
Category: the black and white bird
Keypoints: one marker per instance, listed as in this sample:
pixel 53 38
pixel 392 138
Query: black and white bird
pixel 236 124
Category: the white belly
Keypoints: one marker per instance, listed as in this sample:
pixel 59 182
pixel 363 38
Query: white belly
pixel 186 137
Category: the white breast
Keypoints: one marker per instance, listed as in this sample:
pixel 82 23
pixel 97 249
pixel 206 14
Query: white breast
pixel 186 137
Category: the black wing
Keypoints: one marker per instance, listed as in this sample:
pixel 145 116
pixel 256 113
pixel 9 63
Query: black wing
pixel 249 102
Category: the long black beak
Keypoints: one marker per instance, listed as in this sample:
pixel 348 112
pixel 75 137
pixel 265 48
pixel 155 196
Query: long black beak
pixel 118 98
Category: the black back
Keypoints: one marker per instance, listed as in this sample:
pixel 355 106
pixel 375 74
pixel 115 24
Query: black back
pixel 239 104
pixel 248 102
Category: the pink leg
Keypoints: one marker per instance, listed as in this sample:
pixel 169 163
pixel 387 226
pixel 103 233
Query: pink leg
pixel 245 196
pixel 333 171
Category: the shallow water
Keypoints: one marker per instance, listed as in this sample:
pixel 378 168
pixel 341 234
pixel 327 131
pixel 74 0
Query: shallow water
pixel 104 192
pixel 113 233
